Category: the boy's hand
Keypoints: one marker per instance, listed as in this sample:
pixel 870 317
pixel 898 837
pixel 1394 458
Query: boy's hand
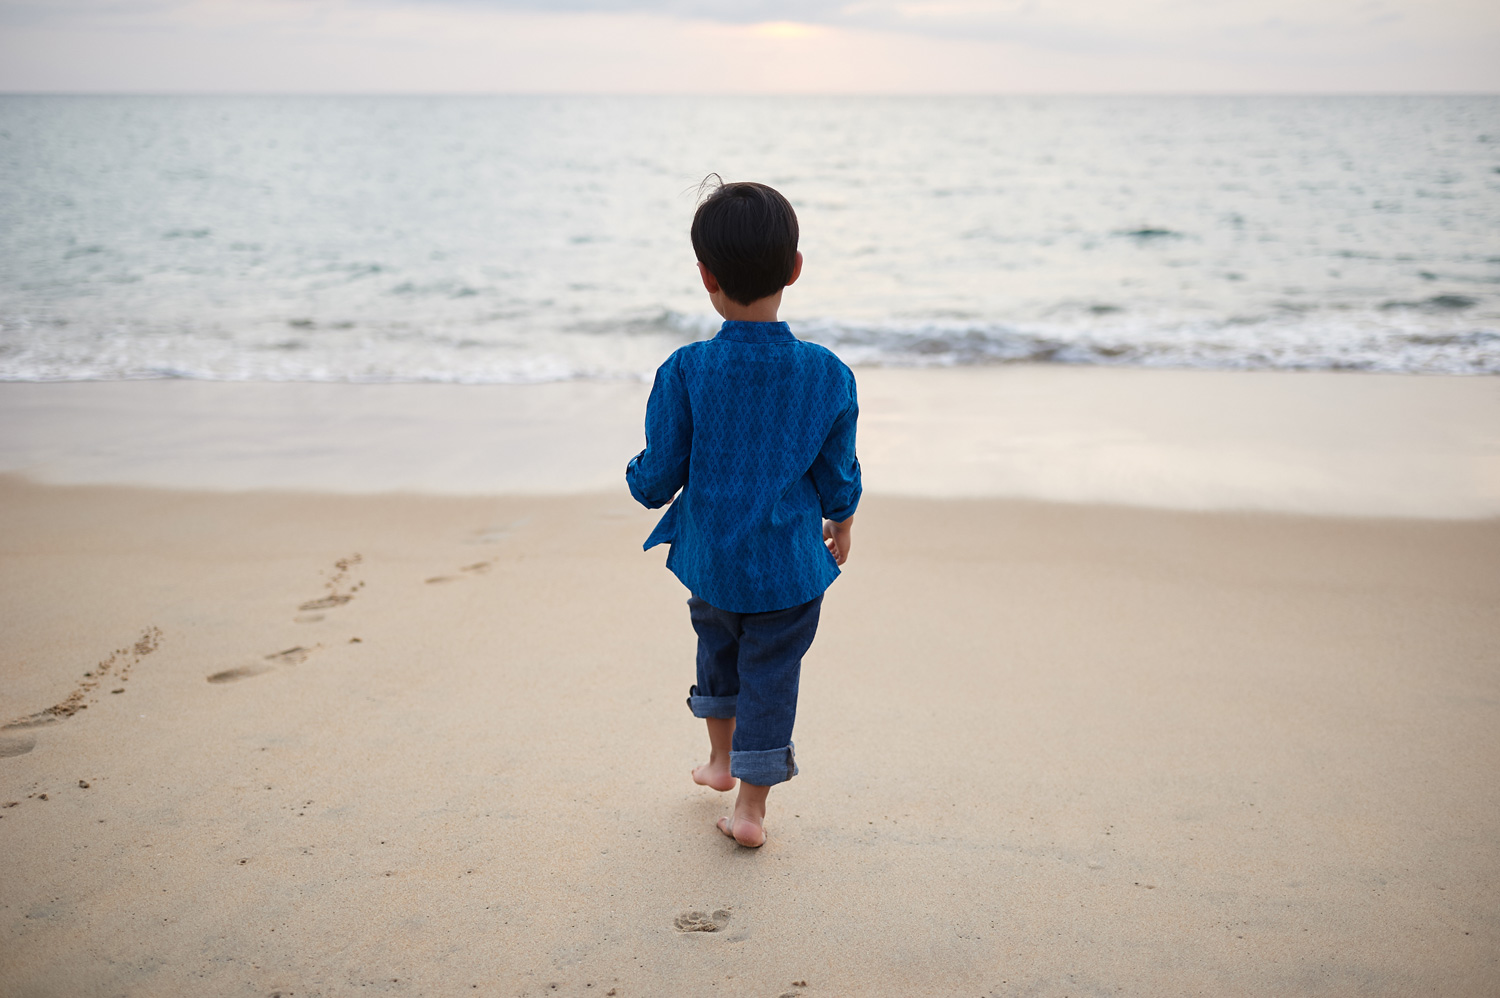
pixel 836 537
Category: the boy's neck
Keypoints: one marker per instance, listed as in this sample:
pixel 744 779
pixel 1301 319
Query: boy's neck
pixel 760 310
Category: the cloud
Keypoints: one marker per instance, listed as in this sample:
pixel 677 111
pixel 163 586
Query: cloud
pixel 858 46
pixel 718 11
pixel 1081 25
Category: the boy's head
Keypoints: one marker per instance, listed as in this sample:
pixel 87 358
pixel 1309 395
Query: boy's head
pixel 745 235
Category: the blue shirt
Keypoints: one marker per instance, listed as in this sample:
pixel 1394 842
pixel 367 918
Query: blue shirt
pixel 756 428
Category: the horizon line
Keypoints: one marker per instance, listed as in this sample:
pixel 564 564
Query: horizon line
pixel 741 94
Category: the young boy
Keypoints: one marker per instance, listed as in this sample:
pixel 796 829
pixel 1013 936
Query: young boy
pixel 756 428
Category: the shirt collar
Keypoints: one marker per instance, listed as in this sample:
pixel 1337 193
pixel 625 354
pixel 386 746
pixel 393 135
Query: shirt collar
pixel 756 332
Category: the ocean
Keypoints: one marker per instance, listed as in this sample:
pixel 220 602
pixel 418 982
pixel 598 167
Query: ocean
pixel 525 239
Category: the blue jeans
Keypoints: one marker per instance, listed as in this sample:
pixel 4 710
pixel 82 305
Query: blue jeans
pixel 749 665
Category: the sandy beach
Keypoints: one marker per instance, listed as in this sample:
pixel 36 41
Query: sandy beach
pixel 1137 682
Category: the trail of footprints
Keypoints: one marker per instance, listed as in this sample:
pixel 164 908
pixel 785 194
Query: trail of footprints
pixel 112 673
pixel 339 587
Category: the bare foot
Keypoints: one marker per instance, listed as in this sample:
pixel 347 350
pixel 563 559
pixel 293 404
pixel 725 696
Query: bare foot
pixel 714 773
pixel 747 826
pixel 747 833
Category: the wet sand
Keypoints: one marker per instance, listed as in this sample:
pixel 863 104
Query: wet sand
pixel 427 744
pixel 1301 442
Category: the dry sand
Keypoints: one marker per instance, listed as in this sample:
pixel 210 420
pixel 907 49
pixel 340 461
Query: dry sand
pixel 1047 749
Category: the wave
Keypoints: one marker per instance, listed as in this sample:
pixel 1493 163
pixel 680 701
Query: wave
pixel 1423 337
pixel 1225 344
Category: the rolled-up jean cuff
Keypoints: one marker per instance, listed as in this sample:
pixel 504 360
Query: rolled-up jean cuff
pixel 720 707
pixel 765 768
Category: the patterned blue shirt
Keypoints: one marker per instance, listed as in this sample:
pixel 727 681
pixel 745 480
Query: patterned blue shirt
pixel 756 428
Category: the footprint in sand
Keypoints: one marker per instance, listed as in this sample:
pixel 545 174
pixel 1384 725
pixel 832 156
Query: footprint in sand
pixel 291 656
pixel 697 921
pixel 15 745
pixel 325 603
pixel 236 674
pixel 340 587
pixel 37 720
pixel 478 568
pixel 116 667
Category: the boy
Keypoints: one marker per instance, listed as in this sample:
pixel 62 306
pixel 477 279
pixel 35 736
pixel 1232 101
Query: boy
pixel 756 428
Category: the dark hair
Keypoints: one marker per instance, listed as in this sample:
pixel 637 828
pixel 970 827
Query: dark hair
pixel 746 235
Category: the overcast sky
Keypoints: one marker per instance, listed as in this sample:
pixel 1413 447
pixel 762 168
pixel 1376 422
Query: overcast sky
pixel 761 46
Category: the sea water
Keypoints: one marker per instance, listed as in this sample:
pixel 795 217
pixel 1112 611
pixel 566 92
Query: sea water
pixel 519 239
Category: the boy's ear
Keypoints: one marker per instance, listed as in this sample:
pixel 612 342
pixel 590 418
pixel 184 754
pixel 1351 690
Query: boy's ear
pixel 796 269
pixel 710 283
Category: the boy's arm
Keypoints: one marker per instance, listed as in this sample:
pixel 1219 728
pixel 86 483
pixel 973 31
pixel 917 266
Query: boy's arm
pixel 658 472
pixel 836 475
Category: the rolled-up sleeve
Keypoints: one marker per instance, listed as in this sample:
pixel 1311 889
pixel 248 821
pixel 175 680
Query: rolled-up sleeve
pixel 835 473
pixel 657 473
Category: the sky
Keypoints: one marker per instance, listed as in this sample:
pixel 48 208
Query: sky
pixel 755 47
